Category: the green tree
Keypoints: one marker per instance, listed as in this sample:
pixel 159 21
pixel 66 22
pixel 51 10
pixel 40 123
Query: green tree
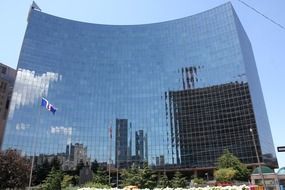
pixel 228 160
pixel 66 181
pixel 178 181
pixel 53 180
pixel 225 174
pixel 131 176
pixel 75 180
pixel 141 177
pixel 94 166
pixel 163 181
pixel 101 176
pixel 148 177
pixel 41 172
pixel 14 170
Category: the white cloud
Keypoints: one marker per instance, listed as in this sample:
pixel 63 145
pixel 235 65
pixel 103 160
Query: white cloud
pixel 67 131
pixel 61 130
pixel 29 87
pixel 22 126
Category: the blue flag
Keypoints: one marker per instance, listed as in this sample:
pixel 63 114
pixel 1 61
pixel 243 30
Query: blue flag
pixel 48 106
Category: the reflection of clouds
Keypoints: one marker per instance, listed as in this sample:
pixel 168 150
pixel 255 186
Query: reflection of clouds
pixel 29 87
pixel 22 126
pixel 63 131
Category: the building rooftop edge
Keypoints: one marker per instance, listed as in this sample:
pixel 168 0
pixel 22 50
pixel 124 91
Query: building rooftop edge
pixel 229 4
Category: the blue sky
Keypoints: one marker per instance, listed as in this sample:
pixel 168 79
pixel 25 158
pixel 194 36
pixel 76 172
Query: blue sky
pixel 268 40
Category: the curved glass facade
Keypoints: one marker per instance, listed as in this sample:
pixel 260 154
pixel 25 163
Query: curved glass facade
pixel 174 94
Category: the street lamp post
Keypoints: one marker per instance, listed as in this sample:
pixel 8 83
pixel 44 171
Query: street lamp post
pixel 258 160
pixel 110 151
pixel 207 176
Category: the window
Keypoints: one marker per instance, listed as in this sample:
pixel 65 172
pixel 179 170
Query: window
pixel 4 70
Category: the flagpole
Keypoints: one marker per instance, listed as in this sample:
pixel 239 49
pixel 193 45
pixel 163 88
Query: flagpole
pixel 117 161
pixel 33 149
pixel 31 171
pixel 117 173
pixel 110 151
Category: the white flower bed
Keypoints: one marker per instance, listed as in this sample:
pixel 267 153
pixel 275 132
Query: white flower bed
pixel 242 187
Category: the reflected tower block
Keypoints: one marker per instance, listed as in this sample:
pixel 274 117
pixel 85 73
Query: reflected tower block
pixel 121 149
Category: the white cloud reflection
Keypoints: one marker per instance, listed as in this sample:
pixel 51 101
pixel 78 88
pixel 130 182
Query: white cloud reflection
pixel 29 87
pixel 22 126
pixel 61 130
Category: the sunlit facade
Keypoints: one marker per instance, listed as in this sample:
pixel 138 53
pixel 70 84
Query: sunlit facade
pixel 173 94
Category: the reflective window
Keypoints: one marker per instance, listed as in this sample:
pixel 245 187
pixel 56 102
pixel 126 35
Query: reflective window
pixel 174 94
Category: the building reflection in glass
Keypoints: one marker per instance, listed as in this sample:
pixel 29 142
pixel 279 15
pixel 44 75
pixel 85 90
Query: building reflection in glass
pixel 177 93
pixel 205 121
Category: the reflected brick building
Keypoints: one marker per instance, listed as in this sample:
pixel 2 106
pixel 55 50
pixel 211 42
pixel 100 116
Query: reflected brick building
pixel 7 79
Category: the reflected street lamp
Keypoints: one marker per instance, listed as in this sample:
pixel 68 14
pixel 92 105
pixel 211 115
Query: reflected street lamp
pixel 259 165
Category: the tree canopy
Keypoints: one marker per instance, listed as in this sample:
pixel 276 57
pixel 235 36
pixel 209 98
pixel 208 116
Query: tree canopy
pixel 141 177
pixel 228 160
pixel 178 181
pixel 224 174
pixel 101 176
pixel 41 171
pixel 163 181
pixel 53 180
pixel 14 170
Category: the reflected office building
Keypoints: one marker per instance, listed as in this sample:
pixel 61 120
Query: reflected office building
pixel 7 79
pixel 125 154
pixel 175 93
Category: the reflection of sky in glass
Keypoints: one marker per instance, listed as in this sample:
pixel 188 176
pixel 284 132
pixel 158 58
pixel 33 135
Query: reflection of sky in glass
pixel 95 74
pixel 29 87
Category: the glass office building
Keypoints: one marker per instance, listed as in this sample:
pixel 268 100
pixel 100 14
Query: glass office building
pixel 173 94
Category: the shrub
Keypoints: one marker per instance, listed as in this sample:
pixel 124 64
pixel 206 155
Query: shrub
pixel 224 174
